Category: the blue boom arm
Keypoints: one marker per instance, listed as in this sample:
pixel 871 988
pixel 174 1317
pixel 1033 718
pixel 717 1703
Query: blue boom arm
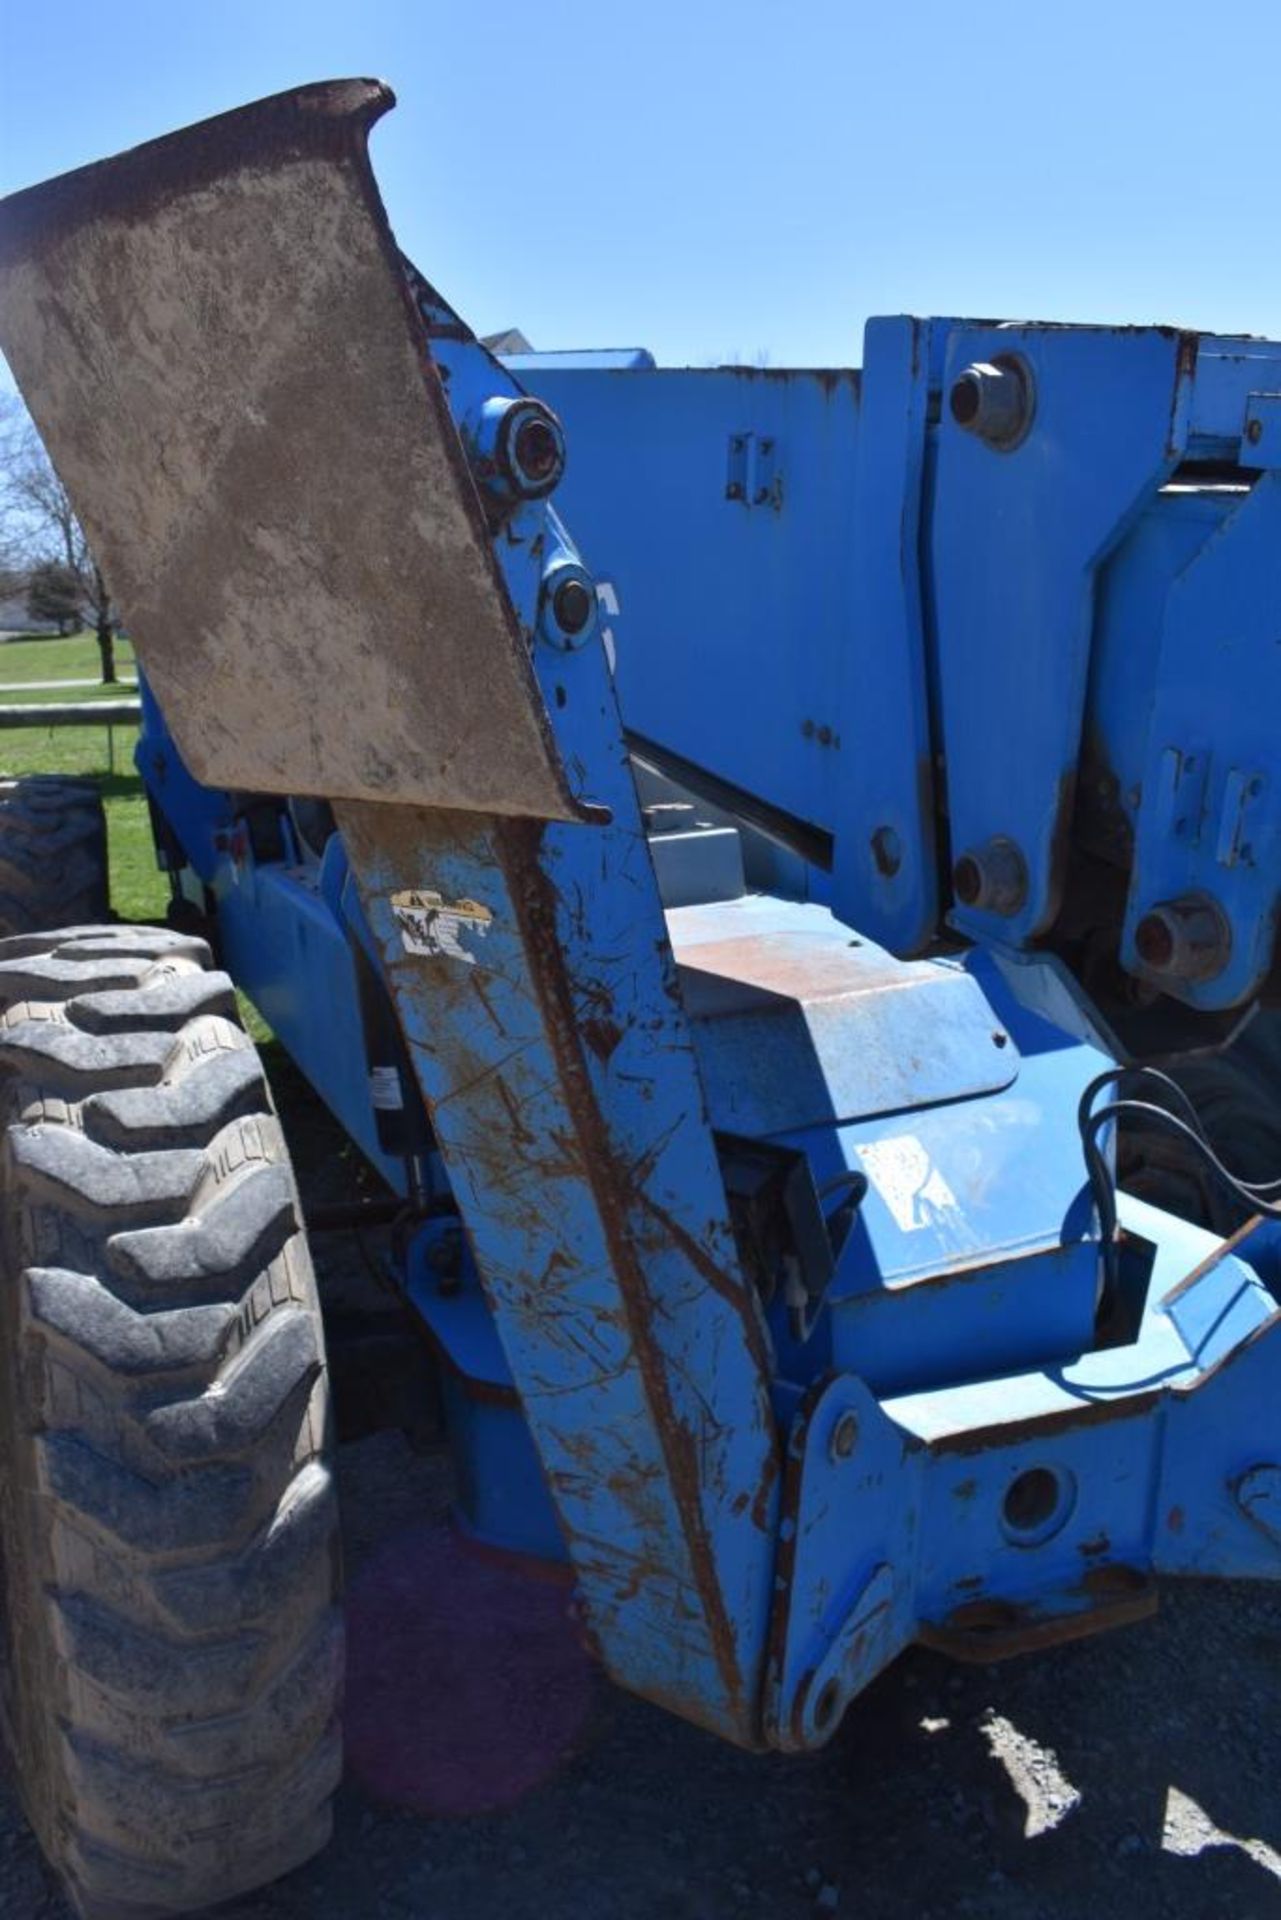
pixel 1017 680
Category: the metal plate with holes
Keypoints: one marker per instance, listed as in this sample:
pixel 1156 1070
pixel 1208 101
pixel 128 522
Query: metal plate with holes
pixel 796 1023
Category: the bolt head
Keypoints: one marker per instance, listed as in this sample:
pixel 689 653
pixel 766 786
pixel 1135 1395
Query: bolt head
pixel 993 400
pixel 992 878
pixel 844 1436
pixel 1188 939
pixel 572 604
pixel 568 616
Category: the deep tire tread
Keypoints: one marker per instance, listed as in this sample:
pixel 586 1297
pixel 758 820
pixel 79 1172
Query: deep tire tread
pixel 166 1489
pixel 53 853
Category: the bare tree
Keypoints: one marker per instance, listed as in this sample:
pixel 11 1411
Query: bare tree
pixel 40 522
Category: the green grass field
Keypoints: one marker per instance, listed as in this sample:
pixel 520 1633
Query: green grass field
pixel 75 658
pixel 138 890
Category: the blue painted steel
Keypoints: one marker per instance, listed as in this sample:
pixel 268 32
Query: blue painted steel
pixel 530 367
pixel 1230 371
pixel 799 1023
pixel 966 1463
pixel 991 614
pixel 1016 537
pixel 886 855
pixel 280 941
pixel 1262 444
pixel 554 1053
pixel 714 559
pixel 853 1371
pixel 973 1251
pixel 1134 586
pixel 1211 822
pixel 1018 1511
pixel 502 1497
pixel 280 935
pixel 702 862
pixel 1016 542
pixel 199 816
pixel 973 1260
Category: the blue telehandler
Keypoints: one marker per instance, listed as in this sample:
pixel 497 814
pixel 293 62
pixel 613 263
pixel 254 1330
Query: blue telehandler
pixel 733 849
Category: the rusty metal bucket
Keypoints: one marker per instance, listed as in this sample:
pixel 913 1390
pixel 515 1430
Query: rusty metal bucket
pixel 214 336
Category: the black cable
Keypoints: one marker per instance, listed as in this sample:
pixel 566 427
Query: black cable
pixel 1185 1122
pixel 1251 1194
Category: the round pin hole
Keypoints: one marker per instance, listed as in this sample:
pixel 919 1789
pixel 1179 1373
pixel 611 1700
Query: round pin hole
pixel 1037 1504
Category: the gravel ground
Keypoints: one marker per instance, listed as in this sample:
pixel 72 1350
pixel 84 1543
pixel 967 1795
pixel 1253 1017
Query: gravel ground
pixel 491 1769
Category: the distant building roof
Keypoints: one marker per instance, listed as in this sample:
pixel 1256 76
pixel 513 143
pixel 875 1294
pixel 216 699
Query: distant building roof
pixel 510 340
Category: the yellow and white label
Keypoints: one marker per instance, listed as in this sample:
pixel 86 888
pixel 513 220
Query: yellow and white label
pixel 432 925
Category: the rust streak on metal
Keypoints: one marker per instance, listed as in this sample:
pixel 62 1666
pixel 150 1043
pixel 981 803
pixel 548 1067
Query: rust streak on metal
pixel 330 119
pixel 786 967
pixel 518 844
pixel 602 1035
pixel 760 1505
pixel 1185 369
pixel 1212 1260
pixel 997 1629
pixel 731 1289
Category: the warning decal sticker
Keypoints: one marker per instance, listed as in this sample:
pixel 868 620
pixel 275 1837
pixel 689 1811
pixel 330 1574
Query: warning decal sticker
pixel 432 925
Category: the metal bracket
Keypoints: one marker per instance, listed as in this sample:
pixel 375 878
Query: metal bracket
pixel 844 1570
pixel 752 475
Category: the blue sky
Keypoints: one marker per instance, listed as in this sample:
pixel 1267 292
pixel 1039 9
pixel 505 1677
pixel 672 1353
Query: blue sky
pixel 722 181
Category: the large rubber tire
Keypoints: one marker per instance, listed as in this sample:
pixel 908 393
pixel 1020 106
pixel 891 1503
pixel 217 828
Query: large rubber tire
pixel 53 853
pixel 170 1566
